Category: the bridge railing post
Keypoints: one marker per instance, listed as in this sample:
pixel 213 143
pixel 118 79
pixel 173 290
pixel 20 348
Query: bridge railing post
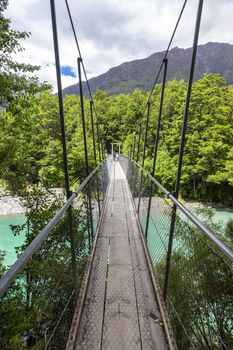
pixel 182 144
pixel 139 140
pixel 131 172
pixel 89 205
pixel 137 157
pixel 134 145
pixel 130 151
pixel 63 138
pixel 93 132
pixel 144 154
pixel 101 149
pixel 156 144
pixel 94 151
pixel 98 140
pixel 129 163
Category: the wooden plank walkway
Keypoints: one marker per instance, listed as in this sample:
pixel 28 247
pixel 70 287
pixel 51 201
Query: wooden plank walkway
pixel 120 309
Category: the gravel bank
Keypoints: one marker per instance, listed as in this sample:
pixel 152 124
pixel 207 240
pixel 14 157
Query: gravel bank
pixel 10 205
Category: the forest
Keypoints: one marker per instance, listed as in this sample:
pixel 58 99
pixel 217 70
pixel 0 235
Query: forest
pixel 30 143
pixel 30 139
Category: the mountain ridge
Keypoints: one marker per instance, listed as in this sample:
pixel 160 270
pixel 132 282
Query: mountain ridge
pixel 212 57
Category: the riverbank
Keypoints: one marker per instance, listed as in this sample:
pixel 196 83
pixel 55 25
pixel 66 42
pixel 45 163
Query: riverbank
pixel 192 205
pixel 13 205
pixel 10 205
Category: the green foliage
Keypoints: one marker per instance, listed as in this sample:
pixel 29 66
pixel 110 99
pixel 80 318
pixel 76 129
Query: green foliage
pixel 200 289
pixel 207 163
pixel 34 303
pixel 30 141
pixel 15 78
pixel 229 230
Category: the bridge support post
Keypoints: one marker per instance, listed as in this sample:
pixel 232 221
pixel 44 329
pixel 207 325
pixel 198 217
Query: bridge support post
pixel 137 155
pixel 134 145
pixel 93 131
pixel 63 138
pixel 131 173
pixel 130 151
pixel 94 151
pixel 89 205
pixel 182 144
pixel 98 139
pixel 101 148
pixel 144 154
pixel 156 144
pixel 139 141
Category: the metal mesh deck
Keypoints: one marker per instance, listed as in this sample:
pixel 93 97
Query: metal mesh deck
pixel 120 309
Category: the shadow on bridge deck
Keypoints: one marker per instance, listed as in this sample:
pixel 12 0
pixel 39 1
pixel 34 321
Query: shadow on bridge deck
pixel 119 308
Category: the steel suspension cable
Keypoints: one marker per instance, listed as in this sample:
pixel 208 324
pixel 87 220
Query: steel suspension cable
pixel 164 59
pixel 80 55
pixel 166 53
pixel 78 47
pixel 160 68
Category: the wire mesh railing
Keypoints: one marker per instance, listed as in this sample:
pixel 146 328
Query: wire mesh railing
pixel 40 291
pixel 199 295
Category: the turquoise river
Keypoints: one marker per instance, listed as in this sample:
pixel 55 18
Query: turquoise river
pixel 8 242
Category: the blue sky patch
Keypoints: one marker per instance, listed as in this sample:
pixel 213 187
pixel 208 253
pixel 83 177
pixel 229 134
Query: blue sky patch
pixel 68 71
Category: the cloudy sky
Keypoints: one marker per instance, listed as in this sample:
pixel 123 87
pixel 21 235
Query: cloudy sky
pixel 111 32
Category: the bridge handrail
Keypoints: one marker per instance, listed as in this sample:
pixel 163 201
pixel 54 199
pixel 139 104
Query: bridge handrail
pixel 34 246
pixel 217 241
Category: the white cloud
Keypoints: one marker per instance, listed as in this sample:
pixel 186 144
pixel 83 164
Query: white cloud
pixel 112 31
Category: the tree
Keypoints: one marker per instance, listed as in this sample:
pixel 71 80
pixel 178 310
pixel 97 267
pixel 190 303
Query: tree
pixel 14 77
pixel 17 89
pixel 40 302
pixel 200 289
pixel 22 140
pixel 207 161
pixel 229 230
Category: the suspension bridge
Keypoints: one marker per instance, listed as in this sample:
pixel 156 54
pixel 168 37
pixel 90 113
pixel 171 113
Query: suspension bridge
pixel 123 264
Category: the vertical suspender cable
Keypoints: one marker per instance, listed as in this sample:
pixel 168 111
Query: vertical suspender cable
pixel 134 145
pixel 102 148
pixel 137 157
pixel 93 131
pixel 99 141
pixel 89 206
pixel 94 152
pixel 84 71
pixel 83 115
pixel 159 117
pixel 144 152
pixel 139 140
pixel 60 99
pixel 182 144
pixel 130 152
pixel 156 143
pixel 168 48
pixel 63 137
pixel 146 134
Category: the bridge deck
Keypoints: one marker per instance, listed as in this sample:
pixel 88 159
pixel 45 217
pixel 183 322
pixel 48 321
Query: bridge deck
pixel 119 310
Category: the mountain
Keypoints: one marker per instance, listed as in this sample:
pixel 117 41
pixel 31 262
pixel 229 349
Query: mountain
pixel 211 58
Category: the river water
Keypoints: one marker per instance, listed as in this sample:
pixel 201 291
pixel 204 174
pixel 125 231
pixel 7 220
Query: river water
pixel 8 242
pixel 223 215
